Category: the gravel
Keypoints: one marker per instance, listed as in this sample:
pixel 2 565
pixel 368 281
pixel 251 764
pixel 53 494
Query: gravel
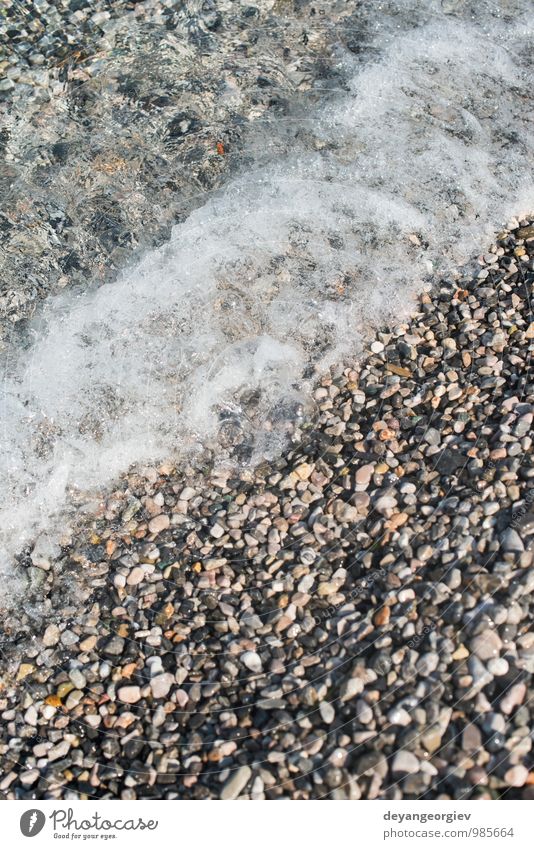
pixel 359 625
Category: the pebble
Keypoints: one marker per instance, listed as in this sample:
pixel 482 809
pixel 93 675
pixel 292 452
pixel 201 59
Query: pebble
pixel 405 762
pixel 159 523
pixel 252 661
pixel 358 609
pixel 51 636
pixel 161 685
pixel 486 645
pixel 399 716
pixel 513 698
pixel 516 776
pixel 327 712
pixel 236 783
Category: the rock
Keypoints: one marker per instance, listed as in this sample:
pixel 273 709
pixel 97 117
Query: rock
pixel 405 762
pixel 345 512
pixel 24 670
pixel 427 663
pixel 399 716
pixel 327 712
pixel 29 777
pixel 136 576
pixel 114 647
pixel 486 645
pixel 129 694
pixel 60 750
pixel 159 523
pixel 161 684
pixel 187 494
pixel 44 552
pixel 236 783
pixel 364 713
pixel 217 531
pixel 431 739
pixel 78 678
pixel 350 688
pixel 68 637
pixel 304 471
pixel 498 666
pixel 252 661
pixel 363 477
pixel 513 697
pixel 516 776
pixel 471 738
pixel 432 436
pixel 511 541
pixel 480 675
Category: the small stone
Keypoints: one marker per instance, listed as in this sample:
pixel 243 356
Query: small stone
pixel 88 643
pixel 486 645
pixel 513 697
pixel 51 636
pixel 427 663
pixel 498 666
pixel 236 783
pixel 381 617
pixel 187 493
pixel 304 471
pixel 431 739
pixel 44 552
pixel 114 647
pixel 159 523
pixel 350 688
pixel 60 750
pixel 460 653
pixel 136 576
pixel 405 762
pixel 345 512
pixel 363 477
pixel 327 712
pixel 24 670
pixel 516 776
pixel 252 661
pixel 68 637
pixel 63 690
pixel 432 436
pixel 161 684
pixel 129 694
pixel 29 777
pixel 364 713
pixel 399 716
pixel 471 738
pixel 78 678
pixel 511 541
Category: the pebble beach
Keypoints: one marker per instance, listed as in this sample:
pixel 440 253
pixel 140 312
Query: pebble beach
pixel 351 619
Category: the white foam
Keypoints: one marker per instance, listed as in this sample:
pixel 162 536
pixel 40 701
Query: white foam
pixel 287 267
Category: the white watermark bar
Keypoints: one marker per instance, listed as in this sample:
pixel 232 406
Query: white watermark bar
pixel 313 824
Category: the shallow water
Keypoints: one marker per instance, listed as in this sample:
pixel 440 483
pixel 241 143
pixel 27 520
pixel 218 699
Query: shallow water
pixel 342 212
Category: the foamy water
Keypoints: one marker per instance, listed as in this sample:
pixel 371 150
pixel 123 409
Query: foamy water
pixel 214 338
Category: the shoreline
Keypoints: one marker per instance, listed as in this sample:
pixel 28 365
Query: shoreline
pixel 351 624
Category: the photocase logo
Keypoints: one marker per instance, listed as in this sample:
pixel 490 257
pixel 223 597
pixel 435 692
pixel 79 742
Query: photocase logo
pixel 32 822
